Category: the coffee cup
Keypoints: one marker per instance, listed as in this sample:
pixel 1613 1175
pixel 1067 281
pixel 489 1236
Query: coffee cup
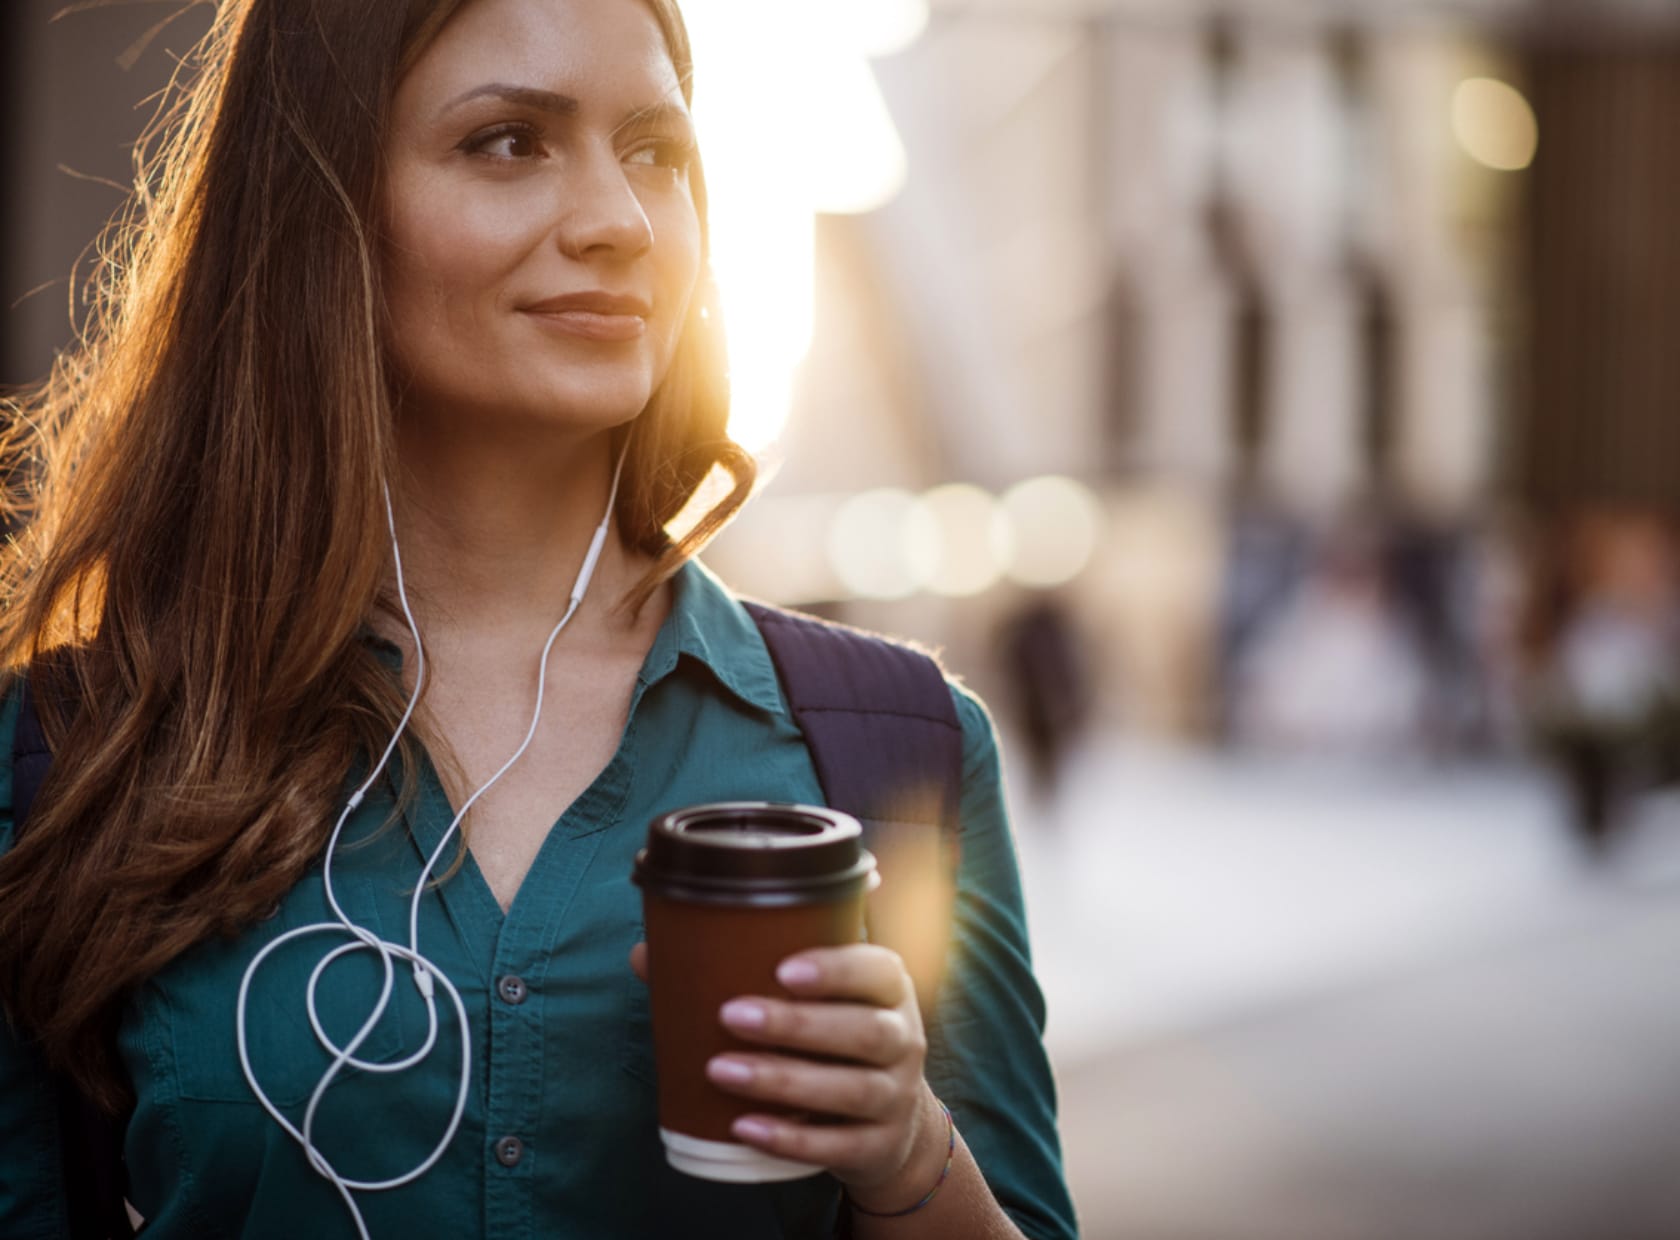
pixel 729 891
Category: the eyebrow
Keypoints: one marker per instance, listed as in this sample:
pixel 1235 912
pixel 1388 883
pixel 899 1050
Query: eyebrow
pixel 655 114
pixel 526 96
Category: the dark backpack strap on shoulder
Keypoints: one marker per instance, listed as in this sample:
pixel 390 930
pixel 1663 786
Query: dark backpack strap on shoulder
pixel 886 742
pixel 30 754
pixel 90 1141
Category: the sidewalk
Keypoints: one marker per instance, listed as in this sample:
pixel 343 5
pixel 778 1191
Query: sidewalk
pixel 1300 1001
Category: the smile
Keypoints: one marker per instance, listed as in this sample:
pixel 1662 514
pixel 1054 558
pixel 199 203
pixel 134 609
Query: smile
pixel 592 324
pixel 594 314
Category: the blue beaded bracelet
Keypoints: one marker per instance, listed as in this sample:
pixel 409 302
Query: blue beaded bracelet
pixel 950 1157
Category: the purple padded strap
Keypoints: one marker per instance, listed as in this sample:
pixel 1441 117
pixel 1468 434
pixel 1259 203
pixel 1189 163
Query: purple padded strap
pixel 884 737
pixel 877 716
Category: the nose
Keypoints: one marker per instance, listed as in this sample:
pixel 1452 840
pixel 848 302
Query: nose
pixel 603 215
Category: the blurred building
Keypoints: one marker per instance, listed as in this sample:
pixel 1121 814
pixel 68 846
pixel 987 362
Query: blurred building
pixel 1249 272
pixel 1176 292
pixel 1297 373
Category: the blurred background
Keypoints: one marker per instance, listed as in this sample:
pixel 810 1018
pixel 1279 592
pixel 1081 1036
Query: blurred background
pixel 1270 408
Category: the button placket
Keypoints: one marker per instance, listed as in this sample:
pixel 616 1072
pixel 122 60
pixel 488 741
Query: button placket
pixel 513 1064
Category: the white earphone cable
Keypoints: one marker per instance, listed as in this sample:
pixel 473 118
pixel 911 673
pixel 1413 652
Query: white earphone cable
pixel 427 976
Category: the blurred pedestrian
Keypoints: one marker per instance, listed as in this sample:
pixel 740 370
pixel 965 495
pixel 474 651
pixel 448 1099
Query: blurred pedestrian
pixel 1051 685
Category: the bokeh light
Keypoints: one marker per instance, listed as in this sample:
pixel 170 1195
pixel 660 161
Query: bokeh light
pixel 882 544
pixel 1495 124
pixel 972 543
pixel 1054 524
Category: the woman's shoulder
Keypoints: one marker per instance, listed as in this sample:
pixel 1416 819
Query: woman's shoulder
pixel 980 741
pixel 835 648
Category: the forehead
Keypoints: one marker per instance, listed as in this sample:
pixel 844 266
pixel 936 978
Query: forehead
pixel 610 55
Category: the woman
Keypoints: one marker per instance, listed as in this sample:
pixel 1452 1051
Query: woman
pixel 451 252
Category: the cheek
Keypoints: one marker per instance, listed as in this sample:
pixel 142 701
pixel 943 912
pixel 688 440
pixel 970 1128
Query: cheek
pixel 447 265
pixel 679 258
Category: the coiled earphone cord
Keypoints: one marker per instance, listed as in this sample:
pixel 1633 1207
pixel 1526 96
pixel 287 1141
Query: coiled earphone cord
pixel 427 976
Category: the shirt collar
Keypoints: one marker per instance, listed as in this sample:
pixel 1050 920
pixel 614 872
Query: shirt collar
pixel 709 626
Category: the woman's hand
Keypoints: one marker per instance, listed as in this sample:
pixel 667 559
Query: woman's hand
pixel 855 1005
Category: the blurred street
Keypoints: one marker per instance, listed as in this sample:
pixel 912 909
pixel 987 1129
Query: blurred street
pixel 1299 1000
pixel 1267 406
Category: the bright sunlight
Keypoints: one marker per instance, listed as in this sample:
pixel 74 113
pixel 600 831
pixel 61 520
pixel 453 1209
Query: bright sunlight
pixel 792 123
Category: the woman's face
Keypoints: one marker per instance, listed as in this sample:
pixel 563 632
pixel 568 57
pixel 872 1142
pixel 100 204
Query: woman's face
pixel 541 240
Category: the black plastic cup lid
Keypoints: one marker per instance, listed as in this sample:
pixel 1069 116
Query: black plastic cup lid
pixel 755 854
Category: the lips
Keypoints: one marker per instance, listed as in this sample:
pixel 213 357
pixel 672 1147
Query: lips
pixel 594 315
pixel 594 302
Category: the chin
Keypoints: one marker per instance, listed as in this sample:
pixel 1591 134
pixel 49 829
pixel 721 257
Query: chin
pixel 579 398
pixel 591 407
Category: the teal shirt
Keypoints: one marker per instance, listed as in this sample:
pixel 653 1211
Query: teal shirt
pixel 565 1066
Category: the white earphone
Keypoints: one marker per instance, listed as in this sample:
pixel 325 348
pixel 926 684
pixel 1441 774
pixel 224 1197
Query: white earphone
pixel 427 976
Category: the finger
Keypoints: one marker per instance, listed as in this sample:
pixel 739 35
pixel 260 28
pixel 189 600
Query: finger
pixel 838 1147
pixel 855 1031
pixel 862 971
pixel 832 1089
pixel 638 960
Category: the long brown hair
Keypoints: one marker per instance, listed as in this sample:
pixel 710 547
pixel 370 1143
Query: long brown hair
pixel 201 521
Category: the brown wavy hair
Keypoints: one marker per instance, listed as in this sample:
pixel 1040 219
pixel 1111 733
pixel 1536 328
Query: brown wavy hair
pixel 199 517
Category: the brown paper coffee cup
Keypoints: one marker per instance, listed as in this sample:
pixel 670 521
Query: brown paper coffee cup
pixel 729 891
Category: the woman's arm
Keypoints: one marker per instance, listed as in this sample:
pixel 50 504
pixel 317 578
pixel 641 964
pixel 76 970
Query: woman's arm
pixel 31 1191
pixel 983 1056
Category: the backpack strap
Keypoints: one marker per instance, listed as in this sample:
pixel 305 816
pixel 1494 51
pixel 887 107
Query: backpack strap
pixel 884 737
pixel 31 756
pixel 90 1141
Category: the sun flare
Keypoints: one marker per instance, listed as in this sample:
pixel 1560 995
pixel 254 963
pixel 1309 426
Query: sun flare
pixel 793 124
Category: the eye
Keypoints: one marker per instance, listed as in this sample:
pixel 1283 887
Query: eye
pixel 673 154
pixel 510 142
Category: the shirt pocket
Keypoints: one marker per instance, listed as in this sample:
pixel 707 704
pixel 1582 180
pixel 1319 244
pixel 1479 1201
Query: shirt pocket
pixel 200 992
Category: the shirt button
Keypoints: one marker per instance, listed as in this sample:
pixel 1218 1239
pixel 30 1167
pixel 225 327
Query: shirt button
pixel 512 988
pixel 509 1150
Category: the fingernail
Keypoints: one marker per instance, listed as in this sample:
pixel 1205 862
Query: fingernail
pixel 797 973
pixel 744 1014
pixel 749 1129
pixel 729 1071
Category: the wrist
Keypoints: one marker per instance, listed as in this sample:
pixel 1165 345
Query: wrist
pixel 923 1170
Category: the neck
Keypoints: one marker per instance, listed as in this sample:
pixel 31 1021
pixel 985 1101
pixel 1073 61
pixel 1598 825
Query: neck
pixel 495 525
